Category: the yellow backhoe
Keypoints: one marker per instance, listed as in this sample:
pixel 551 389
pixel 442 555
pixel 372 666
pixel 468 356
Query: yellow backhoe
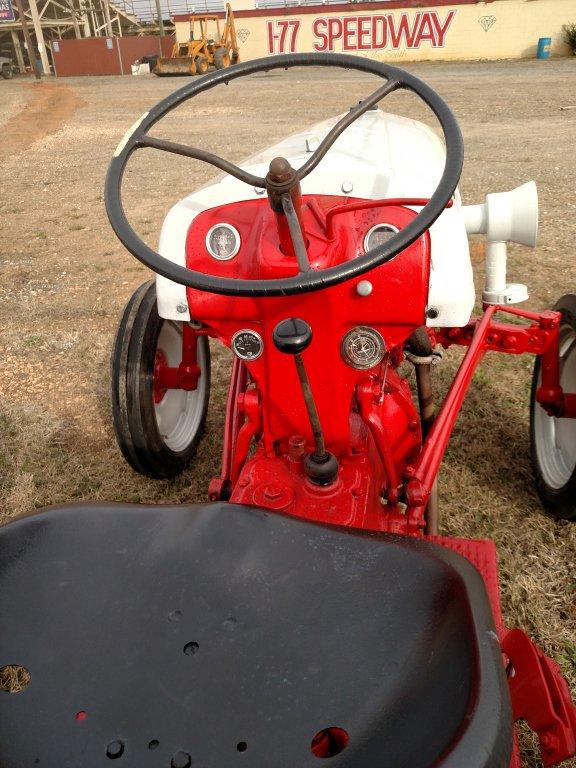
pixel 203 48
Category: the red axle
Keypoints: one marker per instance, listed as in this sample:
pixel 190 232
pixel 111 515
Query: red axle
pixel 186 375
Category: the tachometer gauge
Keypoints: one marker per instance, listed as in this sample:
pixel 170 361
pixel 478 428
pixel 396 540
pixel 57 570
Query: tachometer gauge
pixel 223 242
pixel 378 235
pixel 363 347
pixel 247 344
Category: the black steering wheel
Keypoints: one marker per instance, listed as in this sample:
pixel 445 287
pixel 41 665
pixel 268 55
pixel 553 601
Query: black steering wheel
pixel 304 281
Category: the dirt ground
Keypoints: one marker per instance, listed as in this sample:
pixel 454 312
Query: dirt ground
pixel 65 280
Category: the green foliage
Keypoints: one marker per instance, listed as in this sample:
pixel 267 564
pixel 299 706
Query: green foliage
pixel 570 36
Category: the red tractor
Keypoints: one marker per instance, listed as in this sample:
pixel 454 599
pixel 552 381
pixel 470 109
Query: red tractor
pixel 312 610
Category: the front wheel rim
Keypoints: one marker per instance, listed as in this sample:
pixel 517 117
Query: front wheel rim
pixel 179 413
pixel 555 439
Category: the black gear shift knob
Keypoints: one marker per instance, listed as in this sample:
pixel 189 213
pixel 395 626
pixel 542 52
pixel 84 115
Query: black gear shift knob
pixel 292 336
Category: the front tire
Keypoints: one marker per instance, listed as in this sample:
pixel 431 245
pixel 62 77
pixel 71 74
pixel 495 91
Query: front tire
pixel 157 439
pixel 222 58
pixel 553 441
pixel 201 65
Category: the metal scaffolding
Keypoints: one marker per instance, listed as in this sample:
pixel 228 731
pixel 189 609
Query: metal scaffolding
pixel 50 20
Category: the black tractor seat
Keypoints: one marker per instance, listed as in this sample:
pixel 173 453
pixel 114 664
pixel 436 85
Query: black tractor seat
pixel 222 636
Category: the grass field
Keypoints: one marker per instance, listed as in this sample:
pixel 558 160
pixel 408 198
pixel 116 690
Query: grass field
pixel 65 280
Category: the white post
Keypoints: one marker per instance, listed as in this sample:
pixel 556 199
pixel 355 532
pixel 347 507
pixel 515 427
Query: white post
pixel 94 25
pixel 496 257
pixel 18 51
pixel 160 20
pixel 85 19
pixel 40 44
pixel 77 33
pixel 109 30
pixel 28 41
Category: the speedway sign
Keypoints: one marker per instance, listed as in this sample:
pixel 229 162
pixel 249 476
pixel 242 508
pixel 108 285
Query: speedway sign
pixel 370 32
pixel 6 11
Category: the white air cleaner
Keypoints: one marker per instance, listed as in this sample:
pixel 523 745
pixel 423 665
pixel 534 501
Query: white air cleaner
pixel 506 217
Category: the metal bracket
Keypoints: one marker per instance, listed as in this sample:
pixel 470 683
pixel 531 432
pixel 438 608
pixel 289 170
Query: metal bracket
pixel 541 697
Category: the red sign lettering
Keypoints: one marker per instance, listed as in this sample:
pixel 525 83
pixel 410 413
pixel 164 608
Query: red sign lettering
pixel 380 31
pixel 283 35
pixel 364 34
pixel 441 29
pixel 319 31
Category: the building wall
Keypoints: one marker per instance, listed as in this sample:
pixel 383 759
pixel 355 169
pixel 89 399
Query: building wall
pixel 403 31
pixel 105 55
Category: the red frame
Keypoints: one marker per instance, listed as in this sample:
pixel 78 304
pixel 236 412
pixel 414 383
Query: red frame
pixel 387 472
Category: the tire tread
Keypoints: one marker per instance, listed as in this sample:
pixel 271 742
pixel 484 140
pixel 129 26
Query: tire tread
pixel 132 403
pixel 561 502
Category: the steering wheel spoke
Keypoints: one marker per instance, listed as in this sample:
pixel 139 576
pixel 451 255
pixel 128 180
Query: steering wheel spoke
pixel 353 115
pixel 201 154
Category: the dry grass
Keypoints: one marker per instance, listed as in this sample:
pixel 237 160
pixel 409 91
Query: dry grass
pixel 65 280
pixel 13 678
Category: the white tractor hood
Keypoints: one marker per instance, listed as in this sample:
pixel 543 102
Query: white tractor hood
pixel 379 156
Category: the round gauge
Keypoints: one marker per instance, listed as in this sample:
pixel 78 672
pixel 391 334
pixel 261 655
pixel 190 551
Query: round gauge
pixel 378 235
pixel 363 347
pixel 223 242
pixel 247 344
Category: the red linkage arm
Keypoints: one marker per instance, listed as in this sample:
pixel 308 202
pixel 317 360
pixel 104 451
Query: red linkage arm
pixel 422 475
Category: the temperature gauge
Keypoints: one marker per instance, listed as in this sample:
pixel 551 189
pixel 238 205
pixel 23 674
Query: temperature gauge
pixel 223 242
pixel 378 235
pixel 247 345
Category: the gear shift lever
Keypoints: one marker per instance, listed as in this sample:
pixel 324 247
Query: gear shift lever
pixel 292 336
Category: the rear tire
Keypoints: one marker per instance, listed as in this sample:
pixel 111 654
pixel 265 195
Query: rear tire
pixel 157 439
pixel 222 58
pixel 201 65
pixel 7 72
pixel 552 440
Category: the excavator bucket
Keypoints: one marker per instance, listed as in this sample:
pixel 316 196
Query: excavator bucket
pixel 177 65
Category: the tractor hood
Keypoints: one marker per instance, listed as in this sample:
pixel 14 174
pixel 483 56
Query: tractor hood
pixel 380 156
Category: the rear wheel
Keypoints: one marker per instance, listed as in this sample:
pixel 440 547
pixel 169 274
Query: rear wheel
pixel 157 436
pixel 221 58
pixel 201 65
pixel 553 441
pixel 7 71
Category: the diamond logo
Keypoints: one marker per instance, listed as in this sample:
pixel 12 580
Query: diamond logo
pixel 486 22
pixel 243 34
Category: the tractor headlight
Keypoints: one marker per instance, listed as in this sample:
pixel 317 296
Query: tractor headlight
pixel 223 241
pixel 378 235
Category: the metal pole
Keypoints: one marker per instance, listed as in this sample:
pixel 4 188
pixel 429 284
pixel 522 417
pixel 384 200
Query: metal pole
pixel 94 25
pixel 74 19
pixel 28 40
pixel 106 7
pixel 40 44
pixel 160 21
pixel 85 20
pixel 18 51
